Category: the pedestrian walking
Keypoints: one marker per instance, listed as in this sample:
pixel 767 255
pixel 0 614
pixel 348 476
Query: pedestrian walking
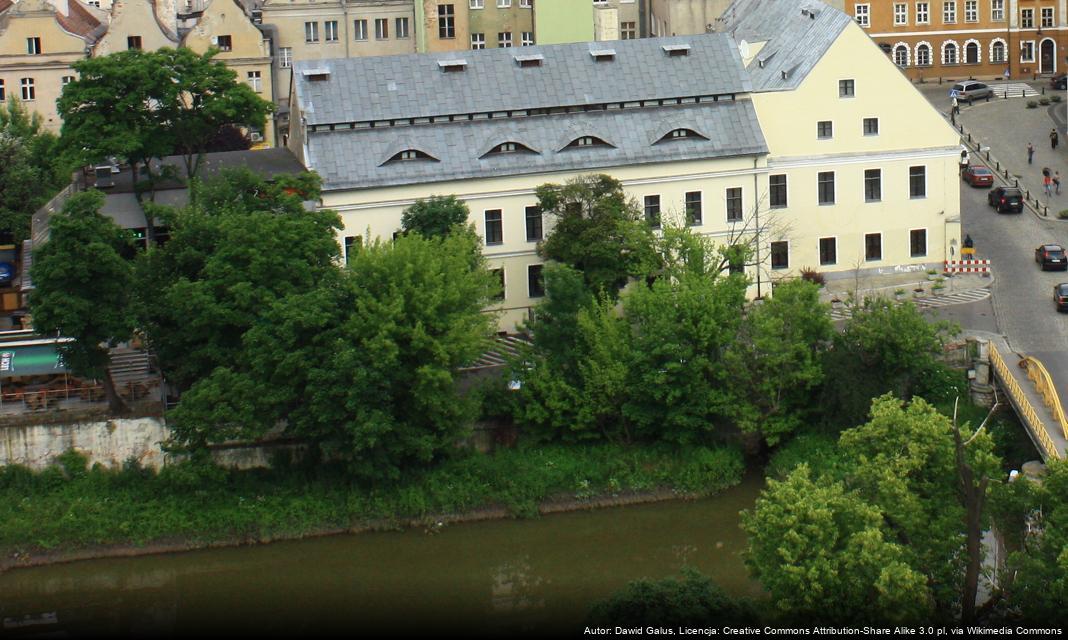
pixel 963 161
pixel 1057 182
pixel 1053 138
pixel 1047 183
pixel 956 106
pixel 1030 153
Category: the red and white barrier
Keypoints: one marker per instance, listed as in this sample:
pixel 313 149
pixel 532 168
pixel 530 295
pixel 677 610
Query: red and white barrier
pixel 967 266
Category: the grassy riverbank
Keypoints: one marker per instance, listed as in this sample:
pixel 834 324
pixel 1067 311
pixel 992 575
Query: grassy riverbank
pixel 68 507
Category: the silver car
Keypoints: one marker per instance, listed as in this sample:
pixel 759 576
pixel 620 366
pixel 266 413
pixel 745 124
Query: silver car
pixel 969 90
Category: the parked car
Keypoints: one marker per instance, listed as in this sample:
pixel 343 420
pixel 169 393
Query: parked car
pixel 978 176
pixel 1005 199
pixel 970 90
pixel 1051 256
pixel 1059 81
pixel 1060 296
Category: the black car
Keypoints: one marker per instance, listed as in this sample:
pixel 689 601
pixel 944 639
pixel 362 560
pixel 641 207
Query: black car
pixel 1060 296
pixel 1059 81
pixel 1004 199
pixel 1051 256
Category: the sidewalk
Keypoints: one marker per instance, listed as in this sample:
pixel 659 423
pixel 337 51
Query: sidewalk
pixel 1004 127
pixel 959 288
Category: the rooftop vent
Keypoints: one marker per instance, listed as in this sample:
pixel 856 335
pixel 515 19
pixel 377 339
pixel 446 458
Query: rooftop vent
pixel 676 49
pixel 316 74
pixel 452 66
pixel 603 55
pixel 533 60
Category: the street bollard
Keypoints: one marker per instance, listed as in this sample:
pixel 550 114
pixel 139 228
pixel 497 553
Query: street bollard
pixel 988 155
pixel 1015 182
pixel 988 96
pixel 1043 91
pixel 969 138
pixel 1027 195
pixel 997 165
pixel 1045 211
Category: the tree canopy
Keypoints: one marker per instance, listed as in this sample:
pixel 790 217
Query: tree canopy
pixel 691 599
pixel 435 216
pixel 30 172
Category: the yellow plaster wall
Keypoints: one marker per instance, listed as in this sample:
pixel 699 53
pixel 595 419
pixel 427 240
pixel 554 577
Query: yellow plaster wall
pixel 132 18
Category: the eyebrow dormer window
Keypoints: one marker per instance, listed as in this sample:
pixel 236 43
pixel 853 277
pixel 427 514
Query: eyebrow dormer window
pixel 509 147
pixel 410 154
pixel 682 134
pixel 587 141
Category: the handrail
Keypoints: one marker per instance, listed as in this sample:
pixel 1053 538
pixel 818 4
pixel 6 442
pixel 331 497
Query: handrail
pixel 1023 404
pixel 1038 374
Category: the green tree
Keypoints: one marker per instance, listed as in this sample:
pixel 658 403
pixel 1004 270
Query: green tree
pixel 241 245
pixel 775 363
pixel 692 600
pixel 30 172
pixel 83 287
pixel 598 230
pixel 435 216
pixel 821 552
pixel 365 363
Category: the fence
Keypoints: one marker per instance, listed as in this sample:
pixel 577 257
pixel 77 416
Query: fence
pixel 1023 405
pixel 967 266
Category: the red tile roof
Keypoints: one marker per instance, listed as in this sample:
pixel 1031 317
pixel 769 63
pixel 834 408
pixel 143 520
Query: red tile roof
pixel 4 4
pixel 78 20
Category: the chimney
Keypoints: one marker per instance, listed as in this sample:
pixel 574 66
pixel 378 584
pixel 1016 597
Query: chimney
pixel 167 14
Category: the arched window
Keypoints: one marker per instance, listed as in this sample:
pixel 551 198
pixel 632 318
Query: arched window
pixel 901 55
pixel 682 134
pixel 586 141
pixel 949 53
pixel 410 154
pixel 510 147
pixel 997 51
pixel 923 55
pixel 971 52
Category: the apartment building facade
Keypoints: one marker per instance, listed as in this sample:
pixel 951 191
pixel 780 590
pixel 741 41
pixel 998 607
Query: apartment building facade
pixel 139 24
pixel 954 39
pixel 766 127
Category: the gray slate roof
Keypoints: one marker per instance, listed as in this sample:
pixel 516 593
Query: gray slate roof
pixel 795 40
pixel 354 158
pixel 410 86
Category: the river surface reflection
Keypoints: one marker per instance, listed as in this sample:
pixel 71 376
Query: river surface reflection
pixel 490 577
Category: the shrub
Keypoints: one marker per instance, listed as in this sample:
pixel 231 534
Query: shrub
pixel 1043 101
pixel 813 276
pixel 1031 104
pixel 1055 97
pixel 1063 215
pixel 818 450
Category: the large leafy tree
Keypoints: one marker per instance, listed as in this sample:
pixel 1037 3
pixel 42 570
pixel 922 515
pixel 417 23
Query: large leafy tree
pixel 598 230
pixel 142 105
pixel 30 172
pixel 83 287
pixel 692 600
pixel 241 245
pixel 435 216
pixel 364 364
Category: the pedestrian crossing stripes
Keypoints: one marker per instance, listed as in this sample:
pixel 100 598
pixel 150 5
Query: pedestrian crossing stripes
pixel 959 297
pixel 1013 90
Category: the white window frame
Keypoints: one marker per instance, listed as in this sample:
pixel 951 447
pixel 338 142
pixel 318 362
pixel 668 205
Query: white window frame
pixel 65 80
pixel 502 41
pixel 381 28
pixel 285 57
pixel 901 14
pixel 1046 17
pixel 328 27
pixel 956 52
pixel 311 32
pixel 359 29
pixel 923 13
pixel 949 12
pixel 930 54
pixel 526 4
pixel 478 39
pixel 997 10
pixel 33 45
pixel 477 4
pixel 1004 51
pixel 1029 15
pixel 255 80
pixel 908 53
pixel 3 91
pixel 971 10
pixel 1024 49
pixel 504 4
pixel 401 28
pixel 29 89
pixel 862 14
pixel 527 39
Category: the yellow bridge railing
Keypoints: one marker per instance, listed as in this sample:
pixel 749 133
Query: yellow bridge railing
pixel 1038 374
pixel 1033 420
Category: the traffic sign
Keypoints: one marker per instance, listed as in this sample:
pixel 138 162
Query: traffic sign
pixel 952 93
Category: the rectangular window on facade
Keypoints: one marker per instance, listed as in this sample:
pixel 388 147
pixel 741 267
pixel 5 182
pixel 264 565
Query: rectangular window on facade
pixel 255 81
pixel 1027 51
pixel 525 4
pixel 504 4
pixel 311 32
pixel 693 208
pixel 402 28
pixel 534 224
pixel 901 14
pixel 33 46
pixel 29 92
pixel 971 10
pixel 997 10
pixel 225 43
pixel 528 39
pixel 734 204
pixel 846 89
pixel 446 21
pixel 871 126
pixel 922 13
pixel 352 245
pixel 65 80
pixel 477 4
pixel 504 39
pixel 1027 18
pixel 918 243
pixel 1047 17
pixel 3 91
pixel 862 14
pixel 949 12
pixel 500 278
pixel 330 30
pixel 381 28
pixel 494 227
pixel 628 30
pixel 359 29
pixel 780 255
pixel 825 184
pixel 478 41
pixel 828 251
pixel 873 185
pixel 285 57
pixel 535 281
pixel 777 191
pixel 917 182
pixel 133 42
pixel 873 246
pixel 652 211
pixel 824 129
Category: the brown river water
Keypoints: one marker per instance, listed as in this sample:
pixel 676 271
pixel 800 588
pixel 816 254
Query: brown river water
pixel 498 577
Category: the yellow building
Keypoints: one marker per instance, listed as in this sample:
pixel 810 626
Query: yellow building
pixel 765 127
pixel 139 24
pixel 39 41
pixel 242 47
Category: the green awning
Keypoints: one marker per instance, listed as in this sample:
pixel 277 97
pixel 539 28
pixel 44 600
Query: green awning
pixel 34 360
